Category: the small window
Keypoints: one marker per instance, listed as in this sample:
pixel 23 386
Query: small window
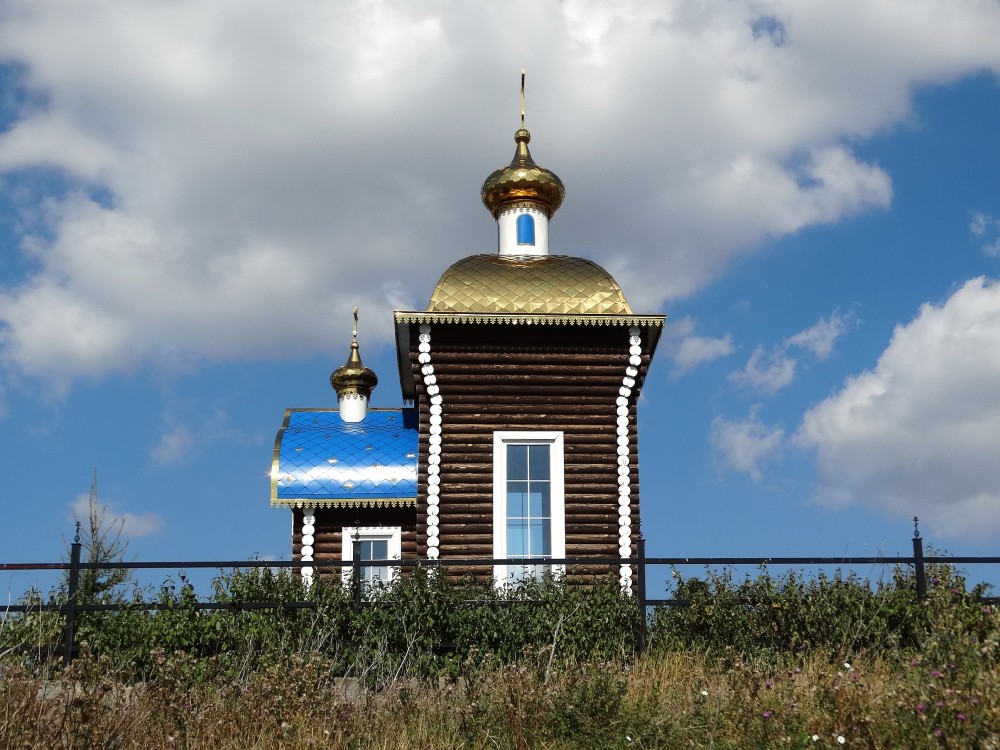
pixel 528 505
pixel 377 543
pixel 525 229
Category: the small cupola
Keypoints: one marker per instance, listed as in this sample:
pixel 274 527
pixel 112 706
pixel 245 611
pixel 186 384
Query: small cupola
pixel 522 197
pixel 353 382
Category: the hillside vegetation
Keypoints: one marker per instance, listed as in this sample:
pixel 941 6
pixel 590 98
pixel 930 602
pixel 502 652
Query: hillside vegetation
pixel 756 663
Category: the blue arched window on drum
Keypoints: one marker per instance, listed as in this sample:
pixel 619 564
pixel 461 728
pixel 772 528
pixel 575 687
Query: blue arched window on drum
pixel 525 229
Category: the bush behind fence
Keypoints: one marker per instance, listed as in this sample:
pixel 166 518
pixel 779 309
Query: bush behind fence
pixel 426 624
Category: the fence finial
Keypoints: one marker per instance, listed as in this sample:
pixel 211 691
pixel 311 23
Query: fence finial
pixel 76 536
pixel 916 529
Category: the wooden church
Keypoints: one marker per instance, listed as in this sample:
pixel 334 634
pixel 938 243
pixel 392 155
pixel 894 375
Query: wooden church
pixel 524 373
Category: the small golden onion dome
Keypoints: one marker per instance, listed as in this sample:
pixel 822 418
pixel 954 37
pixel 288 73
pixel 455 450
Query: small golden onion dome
pixel 353 378
pixel 523 181
pixel 542 284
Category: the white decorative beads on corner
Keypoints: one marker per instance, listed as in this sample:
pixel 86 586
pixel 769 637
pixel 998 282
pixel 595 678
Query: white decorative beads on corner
pixel 624 470
pixel 434 440
pixel 306 550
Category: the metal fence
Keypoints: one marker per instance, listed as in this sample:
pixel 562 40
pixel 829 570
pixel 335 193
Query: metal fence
pixel 72 607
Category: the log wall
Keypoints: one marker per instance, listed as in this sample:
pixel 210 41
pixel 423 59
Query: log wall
pixel 506 377
pixel 330 523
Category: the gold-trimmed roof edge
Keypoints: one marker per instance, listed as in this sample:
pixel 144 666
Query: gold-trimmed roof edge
pixel 360 502
pixel 404 316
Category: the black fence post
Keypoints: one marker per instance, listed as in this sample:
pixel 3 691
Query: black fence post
pixel 72 592
pixel 356 571
pixel 918 562
pixel 640 545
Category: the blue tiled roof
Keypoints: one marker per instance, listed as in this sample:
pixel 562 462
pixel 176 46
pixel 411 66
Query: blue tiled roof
pixel 321 460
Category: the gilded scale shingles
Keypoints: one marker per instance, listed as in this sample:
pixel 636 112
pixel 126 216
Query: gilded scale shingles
pixel 547 284
pixel 322 460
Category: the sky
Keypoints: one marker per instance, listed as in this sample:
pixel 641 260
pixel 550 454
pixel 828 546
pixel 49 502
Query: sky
pixel 194 195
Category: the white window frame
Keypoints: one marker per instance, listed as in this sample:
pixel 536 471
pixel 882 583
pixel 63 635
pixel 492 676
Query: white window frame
pixel 557 492
pixel 392 534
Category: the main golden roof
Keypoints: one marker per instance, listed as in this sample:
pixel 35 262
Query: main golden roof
pixel 542 284
pixel 523 181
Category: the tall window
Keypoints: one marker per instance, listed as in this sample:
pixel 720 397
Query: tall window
pixel 525 229
pixel 377 543
pixel 528 503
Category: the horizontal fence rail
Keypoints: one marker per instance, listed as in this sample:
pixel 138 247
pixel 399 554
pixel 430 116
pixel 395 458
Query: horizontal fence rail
pixel 72 607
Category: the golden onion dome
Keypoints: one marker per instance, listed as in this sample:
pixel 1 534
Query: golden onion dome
pixel 523 181
pixel 353 378
pixel 540 284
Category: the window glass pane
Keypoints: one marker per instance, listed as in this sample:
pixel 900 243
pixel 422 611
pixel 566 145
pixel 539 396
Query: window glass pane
pixel 538 461
pixel 517 498
pixel 540 539
pixel 517 462
pixel 375 549
pixel 517 538
pixel 540 504
pixel 525 230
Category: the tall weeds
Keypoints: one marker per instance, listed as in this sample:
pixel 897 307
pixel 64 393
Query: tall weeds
pixel 756 664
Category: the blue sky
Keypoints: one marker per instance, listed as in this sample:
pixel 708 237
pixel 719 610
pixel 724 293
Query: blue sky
pixel 194 197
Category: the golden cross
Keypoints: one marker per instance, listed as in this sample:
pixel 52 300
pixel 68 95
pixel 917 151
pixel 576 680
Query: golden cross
pixel 522 97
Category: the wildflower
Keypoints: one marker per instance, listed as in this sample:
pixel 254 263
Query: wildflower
pixel 767 685
pixel 921 708
pixel 767 714
pixel 960 717
pixel 939 704
pixel 939 732
pixel 975 701
pixel 627 738
pixel 840 739
pixel 915 663
pixel 815 738
pixel 937 673
pixel 704 693
pixel 847 665
pixel 987 610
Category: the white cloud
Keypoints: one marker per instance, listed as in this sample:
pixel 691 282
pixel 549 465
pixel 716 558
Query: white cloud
pixel 688 351
pixel 189 425
pixel 820 338
pixel 986 229
pixel 133 525
pixel 173 446
pixel 767 371
pixel 770 371
pixel 917 435
pixel 251 174
pixel 745 445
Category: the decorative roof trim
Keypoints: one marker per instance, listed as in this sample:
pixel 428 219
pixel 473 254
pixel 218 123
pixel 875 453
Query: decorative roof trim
pixel 361 502
pixel 529 319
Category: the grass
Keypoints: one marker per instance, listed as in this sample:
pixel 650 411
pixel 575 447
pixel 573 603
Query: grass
pixel 758 664
pixel 663 700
